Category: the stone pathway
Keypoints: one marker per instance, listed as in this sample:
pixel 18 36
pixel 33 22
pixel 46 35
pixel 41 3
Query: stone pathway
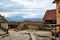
pixel 2 32
pixel 58 38
pixel 32 36
pixel 23 35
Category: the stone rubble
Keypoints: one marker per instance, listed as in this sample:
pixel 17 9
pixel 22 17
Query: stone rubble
pixel 23 35
pixel 18 37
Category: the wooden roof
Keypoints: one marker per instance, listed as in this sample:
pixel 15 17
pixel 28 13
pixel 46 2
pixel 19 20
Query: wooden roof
pixel 50 15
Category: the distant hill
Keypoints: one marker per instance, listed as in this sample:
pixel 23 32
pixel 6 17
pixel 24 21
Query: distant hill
pixel 34 19
pixel 17 19
pixel 20 18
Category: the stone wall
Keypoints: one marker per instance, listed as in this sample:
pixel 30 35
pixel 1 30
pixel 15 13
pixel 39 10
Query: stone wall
pixel 4 25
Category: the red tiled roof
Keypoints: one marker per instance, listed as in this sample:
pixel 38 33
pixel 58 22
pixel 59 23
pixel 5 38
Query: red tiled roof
pixel 33 22
pixel 50 15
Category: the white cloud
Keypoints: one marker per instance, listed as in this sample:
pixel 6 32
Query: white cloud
pixel 35 3
pixel 5 4
pixel 29 5
pixel 31 15
pixel 1 3
pixel 6 14
pixel 24 14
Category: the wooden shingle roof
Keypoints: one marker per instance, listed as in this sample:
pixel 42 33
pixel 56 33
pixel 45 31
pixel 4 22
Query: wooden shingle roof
pixel 50 15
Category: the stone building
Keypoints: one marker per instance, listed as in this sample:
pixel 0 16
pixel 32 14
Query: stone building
pixel 3 23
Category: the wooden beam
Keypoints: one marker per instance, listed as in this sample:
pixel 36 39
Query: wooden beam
pixel 54 1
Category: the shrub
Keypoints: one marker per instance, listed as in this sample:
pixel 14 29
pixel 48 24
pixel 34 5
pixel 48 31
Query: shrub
pixel 25 27
pixel 44 26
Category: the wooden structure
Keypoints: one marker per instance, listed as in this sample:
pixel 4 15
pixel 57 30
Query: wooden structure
pixel 57 14
pixel 3 24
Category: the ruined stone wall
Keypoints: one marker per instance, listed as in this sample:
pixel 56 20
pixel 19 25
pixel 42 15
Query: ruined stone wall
pixel 4 25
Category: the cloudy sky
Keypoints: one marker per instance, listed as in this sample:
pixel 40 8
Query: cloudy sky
pixel 25 9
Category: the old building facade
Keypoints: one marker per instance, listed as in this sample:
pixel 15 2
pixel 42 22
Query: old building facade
pixel 3 23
